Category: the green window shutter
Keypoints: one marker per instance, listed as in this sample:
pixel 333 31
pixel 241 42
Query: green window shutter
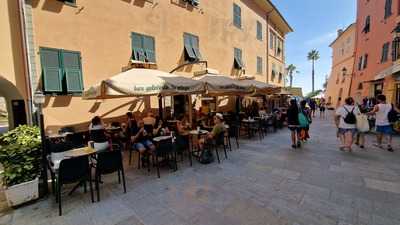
pixel 195 46
pixel 238 58
pixel 73 71
pixel 259 65
pixel 237 17
pixel 137 47
pixel 51 70
pixel 388 8
pixel 187 41
pixel 259 31
pixel 149 48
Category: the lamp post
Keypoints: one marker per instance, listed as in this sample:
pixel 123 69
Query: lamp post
pixel 38 100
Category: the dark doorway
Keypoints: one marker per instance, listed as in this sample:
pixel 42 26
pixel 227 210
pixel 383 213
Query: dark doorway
pixel 179 105
pixel 18 111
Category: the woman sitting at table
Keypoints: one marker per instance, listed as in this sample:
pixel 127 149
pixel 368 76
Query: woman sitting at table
pixel 141 139
pixel 182 125
pixel 218 128
pixel 161 129
pixel 98 134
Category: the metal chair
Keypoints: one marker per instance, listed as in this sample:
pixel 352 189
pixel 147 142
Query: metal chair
pixel 73 170
pixel 109 162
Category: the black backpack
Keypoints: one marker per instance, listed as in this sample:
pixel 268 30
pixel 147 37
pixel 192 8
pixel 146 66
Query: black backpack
pixel 392 115
pixel 206 157
pixel 350 117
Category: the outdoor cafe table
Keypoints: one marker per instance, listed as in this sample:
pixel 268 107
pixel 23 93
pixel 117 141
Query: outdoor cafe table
pixel 57 157
pixel 197 134
pixel 248 123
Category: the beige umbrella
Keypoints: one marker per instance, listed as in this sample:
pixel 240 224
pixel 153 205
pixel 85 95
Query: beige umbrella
pixel 143 82
pixel 261 87
pixel 223 85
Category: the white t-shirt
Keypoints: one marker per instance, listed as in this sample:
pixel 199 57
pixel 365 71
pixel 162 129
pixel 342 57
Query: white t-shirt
pixel 341 111
pixel 382 115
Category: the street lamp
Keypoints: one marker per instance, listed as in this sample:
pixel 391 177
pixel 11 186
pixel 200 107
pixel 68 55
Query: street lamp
pixel 39 99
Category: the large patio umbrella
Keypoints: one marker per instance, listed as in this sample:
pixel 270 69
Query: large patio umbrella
pixel 143 82
pixel 261 87
pixel 223 85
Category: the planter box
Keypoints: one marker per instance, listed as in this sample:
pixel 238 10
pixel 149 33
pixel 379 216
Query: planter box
pixel 22 193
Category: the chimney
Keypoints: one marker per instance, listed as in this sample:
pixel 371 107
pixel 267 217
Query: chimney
pixel 339 32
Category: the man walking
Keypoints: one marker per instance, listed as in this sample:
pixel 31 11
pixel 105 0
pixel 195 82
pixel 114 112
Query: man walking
pixel 383 126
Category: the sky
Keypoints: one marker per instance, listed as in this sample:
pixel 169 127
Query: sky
pixel 315 24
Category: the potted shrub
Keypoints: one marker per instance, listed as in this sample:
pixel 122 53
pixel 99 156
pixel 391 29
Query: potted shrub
pixel 20 155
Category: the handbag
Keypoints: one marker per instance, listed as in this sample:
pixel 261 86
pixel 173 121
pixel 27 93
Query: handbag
pixel 362 123
pixel 206 157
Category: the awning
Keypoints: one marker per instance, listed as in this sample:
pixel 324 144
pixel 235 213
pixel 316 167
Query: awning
pixel 223 85
pixel 388 71
pixel 143 82
pixel 261 87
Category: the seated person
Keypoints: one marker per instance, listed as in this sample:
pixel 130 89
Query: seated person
pixel 262 112
pixel 161 129
pixel 141 139
pixel 98 134
pixel 218 128
pixel 182 125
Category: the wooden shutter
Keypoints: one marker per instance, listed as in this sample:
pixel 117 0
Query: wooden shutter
pixel 195 46
pixel 259 30
pixel 51 70
pixel 188 43
pixel 388 8
pixel 237 17
pixel 149 48
pixel 259 65
pixel 73 71
pixel 137 47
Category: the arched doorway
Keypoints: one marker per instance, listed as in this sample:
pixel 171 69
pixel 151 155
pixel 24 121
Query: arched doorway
pixel 14 105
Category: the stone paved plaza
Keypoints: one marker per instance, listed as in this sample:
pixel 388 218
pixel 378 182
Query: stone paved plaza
pixel 261 183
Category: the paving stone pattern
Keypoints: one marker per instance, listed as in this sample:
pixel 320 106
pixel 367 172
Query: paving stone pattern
pixel 264 182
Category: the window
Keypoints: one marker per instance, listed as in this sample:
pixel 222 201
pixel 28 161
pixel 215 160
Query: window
pixel 388 8
pixel 237 16
pixel 69 2
pixel 280 77
pixel 360 63
pixel 191 43
pixel 61 71
pixel 273 72
pixel 279 47
pixel 360 86
pixel 259 31
pixel 259 65
pixel 337 79
pixel 396 49
pixel 143 48
pixel 378 89
pixel 367 24
pixel 238 62
pixel 385 52
pixel 365 61
pixel 271 40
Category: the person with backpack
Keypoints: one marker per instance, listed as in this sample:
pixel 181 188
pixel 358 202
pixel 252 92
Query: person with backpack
pixel 345 120
pixel 305 121
pixel 293 122
pixel 385 114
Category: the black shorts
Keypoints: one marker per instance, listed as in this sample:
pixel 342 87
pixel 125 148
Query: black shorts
pixel 322 109
pixel 294 128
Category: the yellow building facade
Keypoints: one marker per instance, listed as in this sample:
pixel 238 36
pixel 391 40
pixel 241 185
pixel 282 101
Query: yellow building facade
pixel 343 53
pixel 77 43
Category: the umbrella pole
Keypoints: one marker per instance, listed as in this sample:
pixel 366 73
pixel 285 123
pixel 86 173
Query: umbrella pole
pixel 160 107
pixel 190 110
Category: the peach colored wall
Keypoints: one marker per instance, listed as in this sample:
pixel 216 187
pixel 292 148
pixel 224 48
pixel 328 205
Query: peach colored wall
pixel 101 31
pixel 12 76
pixel 371 44
pixel 342 57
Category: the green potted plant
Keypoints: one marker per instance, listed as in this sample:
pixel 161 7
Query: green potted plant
pixel 20 155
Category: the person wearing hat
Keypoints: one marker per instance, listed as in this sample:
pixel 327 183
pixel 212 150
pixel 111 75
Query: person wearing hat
pixel 218 126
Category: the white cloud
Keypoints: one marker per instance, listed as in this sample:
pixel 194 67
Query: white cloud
pixel 322 39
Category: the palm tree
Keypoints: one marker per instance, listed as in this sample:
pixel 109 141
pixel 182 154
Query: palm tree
pixel 290 70
pixel 313 56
